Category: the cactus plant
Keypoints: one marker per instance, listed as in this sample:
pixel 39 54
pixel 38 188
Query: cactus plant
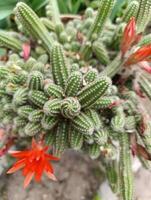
pixel 61 92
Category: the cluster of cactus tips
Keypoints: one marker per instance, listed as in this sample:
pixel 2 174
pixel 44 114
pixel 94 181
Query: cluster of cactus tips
pixel 77 83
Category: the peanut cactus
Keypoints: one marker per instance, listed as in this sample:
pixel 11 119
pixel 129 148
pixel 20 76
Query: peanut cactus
pixel 75 89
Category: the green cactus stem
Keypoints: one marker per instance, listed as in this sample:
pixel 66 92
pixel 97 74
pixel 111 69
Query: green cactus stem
pixel 131 11
pixel 59 66
pixel 114 67
pixel 32 23
pixel 93 91
pixel 100 52
pixel 104 11
pixel 144 14
pixel 10 42
pixel 125 167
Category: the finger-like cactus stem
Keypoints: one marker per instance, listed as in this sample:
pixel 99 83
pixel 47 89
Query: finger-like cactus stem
pixel 9 42
pixel 76 140
pixel 48 122
pixel 73 84
pixel 28 18
pixel 20 97
pixel 52 107
pixel 118 121
pixel 35 80
pixel 32 129
pixel 100 52
pixel 93 150
pixel 125 167
pixel 105 102
pixel 53 90
pixel 131 11
pixel 59 66
pixel 96 28
pixel 144 14
pixel 35 116
pixel 49 25
pixel 112 175
pixel 101 136
pixel 24 111
pixel 83 124
pixel 114 67
pixel 104 11
pixel 61 138
pixel 95 118
pixel 38 98
pixel 93 91
pixel 91 75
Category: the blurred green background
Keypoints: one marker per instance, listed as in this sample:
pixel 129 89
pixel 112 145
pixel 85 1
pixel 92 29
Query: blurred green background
pixel 66 6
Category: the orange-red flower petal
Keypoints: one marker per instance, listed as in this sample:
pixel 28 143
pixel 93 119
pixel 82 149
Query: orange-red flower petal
pixel 142 54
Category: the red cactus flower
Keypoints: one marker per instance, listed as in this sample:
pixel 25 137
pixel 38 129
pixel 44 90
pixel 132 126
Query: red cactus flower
pixel 129 36
pixel 26 50
pixel 142 54
pixel 34 162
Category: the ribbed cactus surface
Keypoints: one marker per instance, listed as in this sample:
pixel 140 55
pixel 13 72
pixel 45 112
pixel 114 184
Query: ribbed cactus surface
pixel 72 85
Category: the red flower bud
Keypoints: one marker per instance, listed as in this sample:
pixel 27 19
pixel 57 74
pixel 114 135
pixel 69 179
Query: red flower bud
pixel 129 36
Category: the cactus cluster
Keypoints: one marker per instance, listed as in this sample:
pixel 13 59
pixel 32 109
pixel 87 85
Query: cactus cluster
pixel 62 90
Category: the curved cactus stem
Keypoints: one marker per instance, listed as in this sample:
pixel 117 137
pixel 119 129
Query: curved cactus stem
pixel 35 116
pixel 38 98
pixel 93 91
pixel 93 150
pixel 32 23
pixel 32 129
pixel 49 25
pixel 105 102
pixel 48 122
pixel 52 107
pixel 114 67
pixel 9 42
pixel 91 75
pixel 83 124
